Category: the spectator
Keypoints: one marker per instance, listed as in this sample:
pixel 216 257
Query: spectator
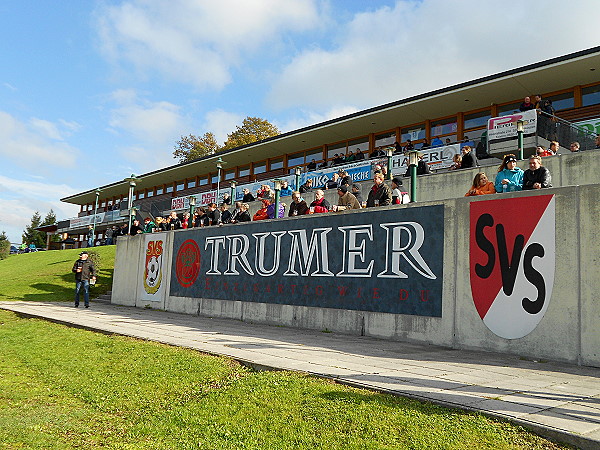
pixel 174 221
pixel 448 141
pixel 285 189
pixel 436 142
pixel 537 176
pixel 380 194
pixel 398 197
pixel 409 146
pixel 509 177
pixel 225 214
pixel 344 178
pixel 320 204
pixel 248 197
pixel 425 144
pixel 468 157
pixel 422 167
pixel 262 213
pixel 265 192
pixel 359 155
pixel 546 124
pixel 357 192
pixel 323 165
pixel 346 200
pixel 333 183
pixel 136 228
pixel 214 215
pixel 554 147
pixel 226 198
pixel 597 141
pixel 312 165
pixel 542 151
pixel 467 141
pixel 574 147
pixel 456 162
pixel 244 215
pixel 201 218
pixel 186 222
pixel 148 225
pixel 271 210
pixel 339 160
pixel 84 272
pixel 298 207
pixel 90 236
pixel 306 187
pixel 526 105
pixel 377 153
pixel 160 224
pixel 124 231
pixel 350 157
pixel 109 236
pixel 481 186
pixel 236 212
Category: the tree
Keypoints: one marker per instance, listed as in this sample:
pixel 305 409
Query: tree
pixel 31 235
pixel 50 219
pixel 192 147
pixel 4 245
pixel 253 129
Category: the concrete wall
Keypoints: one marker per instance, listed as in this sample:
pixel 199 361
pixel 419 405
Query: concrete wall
pixel 568 331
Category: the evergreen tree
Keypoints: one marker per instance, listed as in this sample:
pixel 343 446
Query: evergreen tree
pixel 50 219
pixel 31 235
pixel 4 245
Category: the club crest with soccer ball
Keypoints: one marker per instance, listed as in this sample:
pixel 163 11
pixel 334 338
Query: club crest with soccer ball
pixel 153 269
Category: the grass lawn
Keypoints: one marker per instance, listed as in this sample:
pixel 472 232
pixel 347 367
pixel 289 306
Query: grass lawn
pixel 64 387
pixel 47 277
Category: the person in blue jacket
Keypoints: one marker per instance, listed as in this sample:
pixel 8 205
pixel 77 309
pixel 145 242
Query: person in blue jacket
pixel 509 177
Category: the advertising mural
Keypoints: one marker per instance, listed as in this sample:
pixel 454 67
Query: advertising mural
pixel 512 262
pixel 153 277
pixel 385 261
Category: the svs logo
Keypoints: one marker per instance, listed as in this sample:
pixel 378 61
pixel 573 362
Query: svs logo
pixel 512 260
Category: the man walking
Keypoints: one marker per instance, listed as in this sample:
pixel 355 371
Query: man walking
pixel 84 272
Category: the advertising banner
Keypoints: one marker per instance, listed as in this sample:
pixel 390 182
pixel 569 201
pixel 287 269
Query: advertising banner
pixel 387 261
pixel 360 171
pixel 153 276
pixel 505 127
pixel 78 222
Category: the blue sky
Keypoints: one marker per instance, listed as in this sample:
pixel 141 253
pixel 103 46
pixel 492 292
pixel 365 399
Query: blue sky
pixel 92 91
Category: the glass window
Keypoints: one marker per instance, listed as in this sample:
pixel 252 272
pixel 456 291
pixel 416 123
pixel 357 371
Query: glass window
pixel 141 195
pixel 296 159
pixel 244 171
pixel 336 148
pixel 359 145
pixel 160 190
pixel 478 119
pixel 135 197
pixel 388 138
pixel 230 174
pixel 443 126
pixel 150 193
pixel 260 167
pixel 316 154
pixel 124 200
pixel 562 101
pixel 180 186
pixel 203 181
pixel 590 95
pixel 215 178
pixel 505 110
pixel 169 188
pixel 275 164
pixel 413 133
pixel 191 183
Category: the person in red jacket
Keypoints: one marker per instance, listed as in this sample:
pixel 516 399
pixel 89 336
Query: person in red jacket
pixel 320 204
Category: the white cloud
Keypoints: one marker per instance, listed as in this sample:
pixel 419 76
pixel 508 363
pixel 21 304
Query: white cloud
pixel 197 42
pixel 38 144
pixel 220 123
pixel 414 47
pixel 308 118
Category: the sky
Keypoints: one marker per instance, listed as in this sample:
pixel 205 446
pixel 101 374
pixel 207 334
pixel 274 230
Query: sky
pixel 93 91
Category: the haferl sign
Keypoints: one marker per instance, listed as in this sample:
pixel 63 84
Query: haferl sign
pixel 388 260
pixel 512 260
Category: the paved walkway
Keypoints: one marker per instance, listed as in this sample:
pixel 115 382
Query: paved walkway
pixel 560 401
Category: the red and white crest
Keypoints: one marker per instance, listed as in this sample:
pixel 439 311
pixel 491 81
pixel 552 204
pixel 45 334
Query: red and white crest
pixel 512 262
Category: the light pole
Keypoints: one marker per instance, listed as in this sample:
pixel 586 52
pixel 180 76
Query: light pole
pixel 413 161
pixel 192 200
pixel 220 163
pixel 520 126
pixel 233 194
pixel 297 172
pixel 95 213
pixel 277 184
pixel 389 152
pixel 132 183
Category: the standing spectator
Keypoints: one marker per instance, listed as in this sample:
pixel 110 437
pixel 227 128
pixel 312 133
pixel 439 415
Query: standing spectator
pixel 285 189
pixel 380 194
pixel 542 151
pixel 124 230
pixel 346 200
pixel 248 197
pixel 526 105
pixel 271 210
pixel 359 155
pixel 226 198
pixel 320 203
pixel 174 222
pixel 244 215
pixel 350 156
pixel 468 158
pixel 306 187
pixel 509 177
pixel 436 142
pixel 236 212
pixel 185 223
pixel 574 147
pixel 109 236
pixel 136 228
pixel 555 146
pixel 334 182
pixel 481 186
pixel 149 225
pixel 345 178
pixel 214 215
pixel 90 236
pixel 225 214
pixel 201 218
pixel 422 167
pixel 398 197
pixel 262 213
pixel 537 176
pixel 298 207
pixel 357 192
pixel 84 272
pixel 160 224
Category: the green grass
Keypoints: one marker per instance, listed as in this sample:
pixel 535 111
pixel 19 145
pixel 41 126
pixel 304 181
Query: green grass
pixel 47 277
pixel 65 387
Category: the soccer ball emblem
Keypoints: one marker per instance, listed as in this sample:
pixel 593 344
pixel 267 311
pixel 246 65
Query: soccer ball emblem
pixel 152 271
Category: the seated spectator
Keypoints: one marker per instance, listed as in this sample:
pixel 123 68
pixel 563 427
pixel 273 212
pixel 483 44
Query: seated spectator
pixel 339 159
pixel 225 214
pixel 448 141
pixel 542 151
pixel 422 167
pixel 226 198
pixel 323 165
pixel 344 178
pixel 346 200
pixel 436 142
pixel 537 176
pixel 481 186
pixel 456 162
pixel 265 192
pixel 201 218
pixel 409 146
pixel 136 228
pixel 298 207
pixel 526 105
pixel 271 210
pixel 554 147
pixel 214 215
pixel 320 204
pixel 244 215
pixel 359 155
pixel 377 153
pixel 148 225
pixel 236 212
pixel 333 183
pixel 380 194
pixel 467 141
pixel 306 187
pixel 174 222
pixel 285 189
pixel 357 192
pixel 312 165
pixel 509 177
pixel 468 158
pixel 574 147
pixel 262 213
pixel 248 197
pixel 481 151
pixel 350 157
pixel 398 197
pixel 425 144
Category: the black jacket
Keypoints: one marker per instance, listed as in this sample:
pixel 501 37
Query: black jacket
pixel 469 160
pixel 541 175
pixel 87 270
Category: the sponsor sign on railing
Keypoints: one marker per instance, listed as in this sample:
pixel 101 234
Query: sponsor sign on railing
pixel 505 127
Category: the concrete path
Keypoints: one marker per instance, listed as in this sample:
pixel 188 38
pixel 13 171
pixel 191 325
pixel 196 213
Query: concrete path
pixel 560 401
